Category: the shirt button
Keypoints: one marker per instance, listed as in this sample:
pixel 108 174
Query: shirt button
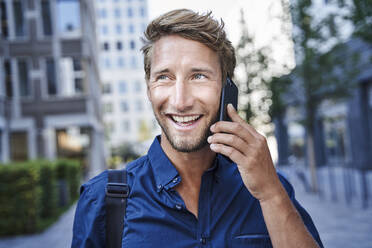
pixel 160 187
pixel 178 206
pixel 203 241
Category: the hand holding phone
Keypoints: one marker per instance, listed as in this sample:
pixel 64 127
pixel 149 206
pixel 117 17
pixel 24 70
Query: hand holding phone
pixel 229 94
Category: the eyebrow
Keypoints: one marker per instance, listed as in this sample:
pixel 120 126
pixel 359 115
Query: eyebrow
pixel 196 69
pixel 161 71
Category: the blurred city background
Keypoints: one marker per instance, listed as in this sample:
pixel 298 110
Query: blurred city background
pixel 73 103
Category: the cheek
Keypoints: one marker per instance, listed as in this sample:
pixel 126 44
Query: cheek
pixel 210 95
pixel 158 95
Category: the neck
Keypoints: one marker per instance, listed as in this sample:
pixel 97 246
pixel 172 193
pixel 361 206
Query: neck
pixel 190 165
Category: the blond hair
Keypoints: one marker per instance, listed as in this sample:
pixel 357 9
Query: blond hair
pixel 194 26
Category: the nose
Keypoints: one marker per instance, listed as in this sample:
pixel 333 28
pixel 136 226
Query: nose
pixel 182 99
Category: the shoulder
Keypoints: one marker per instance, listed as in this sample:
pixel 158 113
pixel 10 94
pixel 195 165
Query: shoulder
pixel 95 185
pixel 137 165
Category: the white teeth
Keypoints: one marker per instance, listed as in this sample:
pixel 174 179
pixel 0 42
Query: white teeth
pixel 185 118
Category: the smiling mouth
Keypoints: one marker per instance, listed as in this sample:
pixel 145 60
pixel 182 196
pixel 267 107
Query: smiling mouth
pixel 185 120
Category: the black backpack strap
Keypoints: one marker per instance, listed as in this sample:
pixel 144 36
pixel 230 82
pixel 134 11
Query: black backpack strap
pixel 117 191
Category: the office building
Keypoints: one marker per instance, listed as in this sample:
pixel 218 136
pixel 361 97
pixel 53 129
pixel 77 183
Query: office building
pixel 49 82
pixel 127 112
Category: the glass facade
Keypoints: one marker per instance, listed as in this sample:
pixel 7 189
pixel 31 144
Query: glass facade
pixel 19 20
pixel 4 31
pixel 46 17
pixel 123 87
pixel 68 21
pixel 24 82
pixel 8 79
pixel 51 77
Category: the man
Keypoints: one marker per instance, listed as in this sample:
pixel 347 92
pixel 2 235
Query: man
pixel 184 193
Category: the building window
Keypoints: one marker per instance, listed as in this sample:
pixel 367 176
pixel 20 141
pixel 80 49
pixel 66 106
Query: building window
pixel 106 63
pixel 124 106
pixel 118 29
pixel 126 126
pixel 71 76
pixel 121 63
pixel 106 46
pixel 102 13
pixel 139 106
pixel 51 77
pixel 19 21
pixel 18 146
pixel 79 85
pixel 133 62
pixel 122 87
pixel 142 12
pixel 68 20
pixel 117 13
pixel 131 28
pixel 108 107
pixel 104 29
pixel 4 20
pixel 24 82
pixel 8 78
pixel 119 45
pixel 76 63
pixel 109 128
pixel 132 45
pixel 130 12
pixel 45 15
pixel 107 89
pixel 137 87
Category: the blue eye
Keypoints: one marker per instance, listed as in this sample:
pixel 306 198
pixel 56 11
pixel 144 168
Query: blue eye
pixel 199 76
pixel 162 77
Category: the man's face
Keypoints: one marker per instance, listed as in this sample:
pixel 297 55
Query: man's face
pixel 184 89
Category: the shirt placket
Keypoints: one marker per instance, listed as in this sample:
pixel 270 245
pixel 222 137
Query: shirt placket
pixel 204 214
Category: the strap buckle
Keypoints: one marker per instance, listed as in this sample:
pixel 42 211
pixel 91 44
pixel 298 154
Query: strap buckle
pixel 117 190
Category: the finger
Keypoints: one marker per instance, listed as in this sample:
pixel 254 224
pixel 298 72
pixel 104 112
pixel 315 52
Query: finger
pixel 229 140
pixel 234 116
pixel 228 151
pixel 233 128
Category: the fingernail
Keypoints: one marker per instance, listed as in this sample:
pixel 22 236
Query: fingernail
pixel 209 139
pixel 212 127
pixel 231 106
pixel 212 146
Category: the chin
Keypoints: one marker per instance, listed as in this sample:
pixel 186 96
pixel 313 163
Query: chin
pixel 187 144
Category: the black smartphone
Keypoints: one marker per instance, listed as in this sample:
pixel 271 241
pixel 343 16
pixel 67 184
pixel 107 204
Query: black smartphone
pixel 229 94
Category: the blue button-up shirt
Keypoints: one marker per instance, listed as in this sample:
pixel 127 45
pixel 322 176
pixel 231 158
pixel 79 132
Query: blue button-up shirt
pixel 156 216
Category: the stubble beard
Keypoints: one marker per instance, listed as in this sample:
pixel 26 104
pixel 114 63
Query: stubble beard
pixel 182 145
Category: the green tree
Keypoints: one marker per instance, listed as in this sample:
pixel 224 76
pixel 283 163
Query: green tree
pixel 125 151
pixel 361 16
pixel 254 63
pixel 319 75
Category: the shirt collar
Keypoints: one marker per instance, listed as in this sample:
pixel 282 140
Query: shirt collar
pixel 164 170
